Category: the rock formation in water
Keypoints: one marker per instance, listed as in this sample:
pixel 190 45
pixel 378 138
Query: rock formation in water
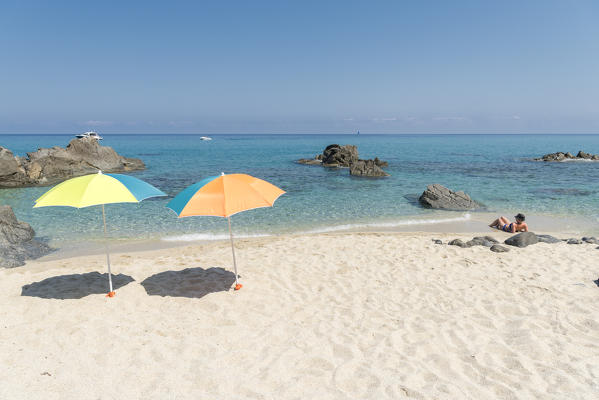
pixel 346 156
pixel 440 197
pixel 559 156
pixel 366 168
pixel 48 166
pixel 17 242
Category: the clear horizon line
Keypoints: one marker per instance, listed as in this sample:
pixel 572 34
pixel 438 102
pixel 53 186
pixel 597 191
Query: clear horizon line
pixel 307 134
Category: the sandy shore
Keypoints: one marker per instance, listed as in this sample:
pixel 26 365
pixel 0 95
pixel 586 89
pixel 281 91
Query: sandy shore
pixel 340 316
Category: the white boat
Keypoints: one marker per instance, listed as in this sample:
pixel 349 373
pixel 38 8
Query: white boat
pixel 90 134
pixel 205 138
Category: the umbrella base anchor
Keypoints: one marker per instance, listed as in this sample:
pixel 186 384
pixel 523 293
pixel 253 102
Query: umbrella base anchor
pixel 111 294
pixel 238 286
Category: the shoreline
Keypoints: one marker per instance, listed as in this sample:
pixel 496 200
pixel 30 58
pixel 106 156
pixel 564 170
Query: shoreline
pixel 475 224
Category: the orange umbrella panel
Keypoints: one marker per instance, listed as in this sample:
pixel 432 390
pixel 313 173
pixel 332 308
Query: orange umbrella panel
pixel 224 195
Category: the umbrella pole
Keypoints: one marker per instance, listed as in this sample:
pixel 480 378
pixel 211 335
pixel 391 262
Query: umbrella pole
pixel 111 293
pixel 237 285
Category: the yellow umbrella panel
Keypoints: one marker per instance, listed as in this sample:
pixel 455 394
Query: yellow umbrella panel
pixel 98 189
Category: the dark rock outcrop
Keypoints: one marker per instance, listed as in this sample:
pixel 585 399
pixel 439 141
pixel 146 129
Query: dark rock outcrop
pixel 591 240
pixel 458 242
pixel 438 196
pixel 548 239
pixel 17 242
pixel 437 241
pixel 522 239
pixel 560 156
pixel 574 241
pixel 48 166
pixel 497 248
pixel 366 168
pixel 486 241
pixel 335 155
pixel 346 156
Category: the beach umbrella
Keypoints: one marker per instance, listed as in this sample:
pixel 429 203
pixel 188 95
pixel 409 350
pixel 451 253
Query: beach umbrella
pixel 98 189
pixel 223 196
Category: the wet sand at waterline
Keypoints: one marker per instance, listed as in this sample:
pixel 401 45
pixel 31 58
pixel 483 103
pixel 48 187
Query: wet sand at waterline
pixel 339 316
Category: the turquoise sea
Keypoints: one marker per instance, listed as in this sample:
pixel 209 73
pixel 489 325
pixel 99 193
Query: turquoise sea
pixel 496 170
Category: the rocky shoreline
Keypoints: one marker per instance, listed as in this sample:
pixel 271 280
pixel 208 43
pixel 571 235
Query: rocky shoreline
pixel 17 243
pixel 48 166
pixel 520 240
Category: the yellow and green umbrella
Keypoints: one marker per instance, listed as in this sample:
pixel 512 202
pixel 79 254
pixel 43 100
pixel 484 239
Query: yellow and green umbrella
pixel 223 196
pixel 98 189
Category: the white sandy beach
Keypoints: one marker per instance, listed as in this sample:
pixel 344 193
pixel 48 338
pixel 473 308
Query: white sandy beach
pixel 329 316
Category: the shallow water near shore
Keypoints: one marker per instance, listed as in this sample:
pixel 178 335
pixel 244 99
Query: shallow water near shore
pixel 496 170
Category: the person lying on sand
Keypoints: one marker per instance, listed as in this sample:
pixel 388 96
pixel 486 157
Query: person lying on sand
pixel 503 224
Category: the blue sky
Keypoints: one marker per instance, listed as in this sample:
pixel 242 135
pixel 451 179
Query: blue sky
pixel 300 67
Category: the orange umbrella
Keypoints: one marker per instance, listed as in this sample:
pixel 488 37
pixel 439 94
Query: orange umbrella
pixel 223 196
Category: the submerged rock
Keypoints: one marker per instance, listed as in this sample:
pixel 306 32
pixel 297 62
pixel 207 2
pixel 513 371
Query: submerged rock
pixel 17 242
pixel 522 239
pixel 366 168
pixel 309 161
pixel 440 197
pixel 48 166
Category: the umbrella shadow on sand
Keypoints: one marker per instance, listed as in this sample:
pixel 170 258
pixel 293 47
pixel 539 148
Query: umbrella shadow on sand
pixel 190 282
pixel 74 286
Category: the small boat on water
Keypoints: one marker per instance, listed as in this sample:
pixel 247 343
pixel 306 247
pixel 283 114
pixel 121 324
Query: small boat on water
pixel 205 138
pixel 90 134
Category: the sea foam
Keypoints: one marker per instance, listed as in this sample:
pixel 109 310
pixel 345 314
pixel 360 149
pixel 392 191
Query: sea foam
pixel 193 237
pixel 389 224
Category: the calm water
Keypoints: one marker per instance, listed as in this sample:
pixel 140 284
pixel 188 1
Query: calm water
pixel 494 169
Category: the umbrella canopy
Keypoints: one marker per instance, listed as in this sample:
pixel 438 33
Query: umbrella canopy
pixel 223 196
pixel 98 189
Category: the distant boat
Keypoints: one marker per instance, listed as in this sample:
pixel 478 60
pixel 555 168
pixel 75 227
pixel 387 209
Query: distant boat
pixel 205 138
pixel 90 134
